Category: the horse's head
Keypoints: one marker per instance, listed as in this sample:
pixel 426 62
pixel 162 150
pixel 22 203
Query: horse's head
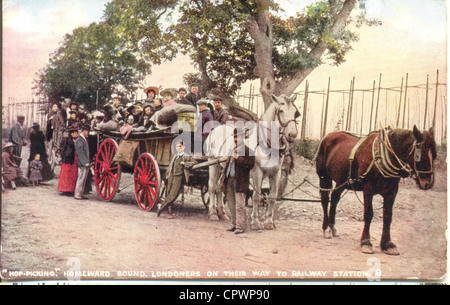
pixel 422 157
pixel 287 114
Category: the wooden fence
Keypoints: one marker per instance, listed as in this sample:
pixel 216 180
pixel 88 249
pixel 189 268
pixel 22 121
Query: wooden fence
pixel 34 111
pixel 361 111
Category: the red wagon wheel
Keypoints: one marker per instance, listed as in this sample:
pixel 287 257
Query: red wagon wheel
pixel 107 173
pixel 147 181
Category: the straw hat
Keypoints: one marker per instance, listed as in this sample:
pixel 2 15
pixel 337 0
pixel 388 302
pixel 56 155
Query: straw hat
pixel 7 145
pixel 154 89
pixel 172 92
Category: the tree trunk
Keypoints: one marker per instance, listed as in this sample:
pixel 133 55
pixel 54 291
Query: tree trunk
pixel 261 30
pixel 259 26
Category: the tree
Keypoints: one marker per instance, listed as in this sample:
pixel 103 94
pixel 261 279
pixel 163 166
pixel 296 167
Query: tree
pixel 233 41
pixel 90 61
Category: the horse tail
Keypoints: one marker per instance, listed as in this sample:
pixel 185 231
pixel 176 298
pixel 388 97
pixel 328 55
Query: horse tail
pixel 321 165
pixel 320 157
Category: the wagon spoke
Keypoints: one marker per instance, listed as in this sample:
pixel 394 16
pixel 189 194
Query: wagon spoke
pixel 153 191
pixel 150 198
pixel 106 188
pixel 111 175
pixel 141 197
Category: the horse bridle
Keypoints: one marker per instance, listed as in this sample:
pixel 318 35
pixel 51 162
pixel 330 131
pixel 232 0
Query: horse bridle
pixel 416 149
pixel 285 125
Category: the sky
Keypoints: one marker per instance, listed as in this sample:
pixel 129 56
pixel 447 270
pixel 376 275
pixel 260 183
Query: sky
pixel 411 40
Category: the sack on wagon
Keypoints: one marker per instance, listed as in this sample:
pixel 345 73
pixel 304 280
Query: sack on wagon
pixel 176 113
pixel 125 153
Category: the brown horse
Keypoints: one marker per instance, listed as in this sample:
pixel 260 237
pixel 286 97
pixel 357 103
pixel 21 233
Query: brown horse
pixel 374 165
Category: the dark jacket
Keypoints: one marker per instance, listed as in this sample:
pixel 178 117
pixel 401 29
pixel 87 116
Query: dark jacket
pixel 68 150
pixel 193 98
pixel 243 165
pixel 221 116
pixel 202 131
pixel 180 166
pixel 37 146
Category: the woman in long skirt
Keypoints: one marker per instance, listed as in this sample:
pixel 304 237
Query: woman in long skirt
pixel 69 167
pixel 37 147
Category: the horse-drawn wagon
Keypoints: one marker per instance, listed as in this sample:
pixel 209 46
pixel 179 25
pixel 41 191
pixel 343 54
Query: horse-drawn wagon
pixel 146 155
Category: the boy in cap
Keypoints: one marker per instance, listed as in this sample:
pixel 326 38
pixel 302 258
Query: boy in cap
pixel 205 116
pixel 82 153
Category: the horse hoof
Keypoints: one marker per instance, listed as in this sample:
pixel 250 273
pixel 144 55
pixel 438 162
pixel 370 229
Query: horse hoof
pixel 327 234
pixel 392 251
pixel 269 226
pixel 213 218
pixel 335 232
pixel 367 249
pixel 255 226
pixel 223 217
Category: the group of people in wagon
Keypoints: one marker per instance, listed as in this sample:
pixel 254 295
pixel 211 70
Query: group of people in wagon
pixel 158 111
pixel 155 112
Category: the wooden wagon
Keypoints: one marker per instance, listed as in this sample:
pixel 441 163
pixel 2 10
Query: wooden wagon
pixel 146 156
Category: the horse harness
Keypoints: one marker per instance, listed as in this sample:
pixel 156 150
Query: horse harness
pixel 381 158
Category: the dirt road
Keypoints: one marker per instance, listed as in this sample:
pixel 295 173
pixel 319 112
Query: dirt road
pixel 49 236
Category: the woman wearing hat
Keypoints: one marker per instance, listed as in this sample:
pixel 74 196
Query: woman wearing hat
pixel 151 93
pixel 10 168
pixel 169 97
pixel 37 147
pixel 69 167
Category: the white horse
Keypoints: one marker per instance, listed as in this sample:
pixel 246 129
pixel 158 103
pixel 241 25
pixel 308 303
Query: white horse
pixel 268 139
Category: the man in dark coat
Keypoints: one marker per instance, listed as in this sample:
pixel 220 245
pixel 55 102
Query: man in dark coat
pixel 237 181
pixel 17 137
pixel 193 96
pixel 220 114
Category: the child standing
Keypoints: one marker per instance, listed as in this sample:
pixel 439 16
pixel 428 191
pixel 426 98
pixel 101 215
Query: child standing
pixel 35 170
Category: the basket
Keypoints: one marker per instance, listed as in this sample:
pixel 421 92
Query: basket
pixel 188 117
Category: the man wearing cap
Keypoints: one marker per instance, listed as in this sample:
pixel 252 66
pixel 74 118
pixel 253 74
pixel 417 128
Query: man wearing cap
pixel 194 96
pixel 17 137
pixel 82 153
pixel 220 114
pixel 237 181
pixel 205 116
